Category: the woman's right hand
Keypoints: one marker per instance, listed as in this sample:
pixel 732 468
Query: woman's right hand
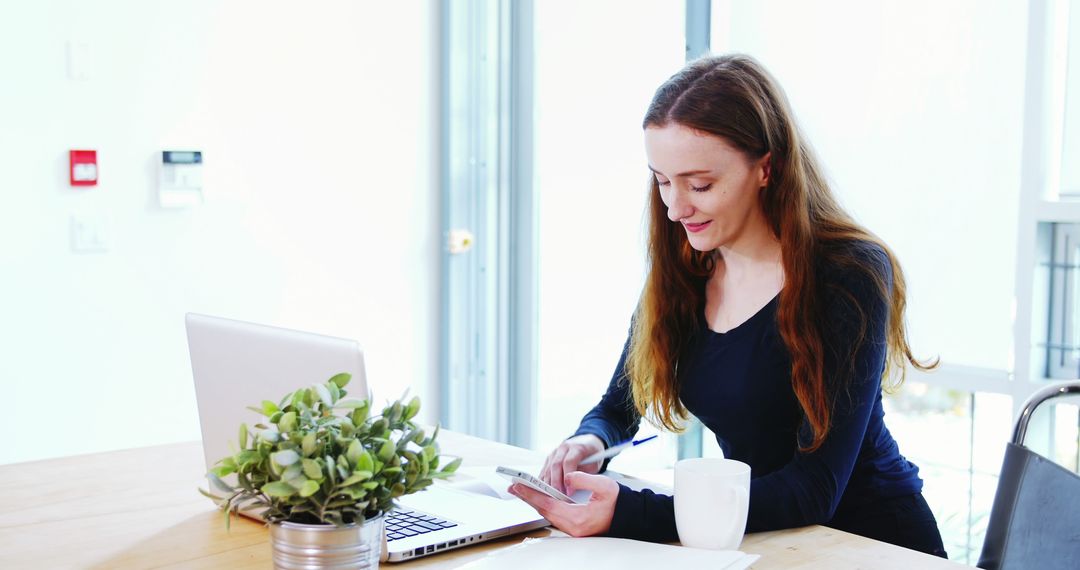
pixel 567 458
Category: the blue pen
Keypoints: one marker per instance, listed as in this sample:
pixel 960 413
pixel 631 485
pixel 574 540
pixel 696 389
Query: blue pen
pixel 614 450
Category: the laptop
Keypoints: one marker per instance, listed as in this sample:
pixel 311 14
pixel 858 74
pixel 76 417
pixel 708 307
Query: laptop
pixel 237 364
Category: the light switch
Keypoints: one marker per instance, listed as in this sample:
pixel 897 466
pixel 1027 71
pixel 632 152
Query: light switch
pixel 80 60
pixel 89 234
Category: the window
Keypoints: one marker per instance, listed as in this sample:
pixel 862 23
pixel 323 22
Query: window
pixel 957 439
pixel 591 181
pixel 1070 149
pixel 1063 346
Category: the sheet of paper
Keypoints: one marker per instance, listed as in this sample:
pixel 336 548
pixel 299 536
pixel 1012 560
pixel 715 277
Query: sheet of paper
pixel 608 554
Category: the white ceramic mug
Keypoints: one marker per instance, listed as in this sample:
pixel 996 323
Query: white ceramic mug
pixel 712 496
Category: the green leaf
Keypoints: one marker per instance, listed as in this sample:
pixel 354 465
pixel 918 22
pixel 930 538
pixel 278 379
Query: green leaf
pixel 354 452
pixel 452 466
pixel 395 412
pixel 245 482
pixel 291 472
pixel 287 422
pixel 269 408
pixel 307 446
pixel 219 484
pixel 365 462
pixel 246 458
pixel 413 407
pixel 222 470
pixel 333 517
pixel 243 436
pixel 308 489
pixel 352 403
pixel 342 379
pixel 360 414
pixel 386 451
pixel 331 469
pixel 286 457
pixel 297 481
pixel 270 435
pixel 211 496
pixel 312 469
pixel 279 489
pixel 324 395
pixel 356 477
pixel 335 392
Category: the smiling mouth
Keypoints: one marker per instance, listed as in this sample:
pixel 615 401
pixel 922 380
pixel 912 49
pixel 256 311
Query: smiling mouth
pixel 694 228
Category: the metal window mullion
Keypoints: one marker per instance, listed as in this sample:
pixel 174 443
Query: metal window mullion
pixel 488 296
pixel 486 403
pixel 520 216
pixel 464 85
pixel 503 193
pixel 698 28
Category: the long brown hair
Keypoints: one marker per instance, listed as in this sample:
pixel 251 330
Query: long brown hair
pixel 735 98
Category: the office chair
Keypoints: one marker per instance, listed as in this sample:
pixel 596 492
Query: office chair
pixel 1035 519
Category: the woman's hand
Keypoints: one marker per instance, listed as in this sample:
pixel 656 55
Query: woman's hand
pixel 567 458
pixel 589 519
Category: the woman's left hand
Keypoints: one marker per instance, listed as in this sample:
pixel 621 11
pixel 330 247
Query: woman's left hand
pixel 589 519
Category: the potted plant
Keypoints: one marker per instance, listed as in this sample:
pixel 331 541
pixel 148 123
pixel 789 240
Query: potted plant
pixel 323 479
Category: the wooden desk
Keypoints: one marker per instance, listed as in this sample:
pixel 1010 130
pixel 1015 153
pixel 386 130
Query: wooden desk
pixel 138 508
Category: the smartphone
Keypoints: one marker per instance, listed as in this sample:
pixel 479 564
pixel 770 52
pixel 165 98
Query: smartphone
pixel 534 483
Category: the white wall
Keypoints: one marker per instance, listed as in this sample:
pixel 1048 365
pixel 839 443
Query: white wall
pixel 915 108
pixel 315 120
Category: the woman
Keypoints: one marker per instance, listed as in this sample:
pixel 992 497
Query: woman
pixel 768 313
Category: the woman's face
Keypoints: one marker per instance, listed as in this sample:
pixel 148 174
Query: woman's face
pixel 708 186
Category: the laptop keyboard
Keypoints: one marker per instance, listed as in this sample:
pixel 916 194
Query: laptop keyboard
pixel 403 523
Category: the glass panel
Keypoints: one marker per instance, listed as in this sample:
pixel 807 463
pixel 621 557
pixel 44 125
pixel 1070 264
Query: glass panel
pixel 591 176
pixel 1066 448
pixel 1063 346
pixel 860 122
pixel 957 439
pixel 1054 432
pixel 993 424
pixel 1070 152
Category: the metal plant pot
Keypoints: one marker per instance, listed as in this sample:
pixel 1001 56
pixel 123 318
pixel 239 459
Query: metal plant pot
pixel 325 546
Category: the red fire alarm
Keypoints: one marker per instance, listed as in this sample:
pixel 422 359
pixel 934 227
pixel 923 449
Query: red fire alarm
pixel 84 170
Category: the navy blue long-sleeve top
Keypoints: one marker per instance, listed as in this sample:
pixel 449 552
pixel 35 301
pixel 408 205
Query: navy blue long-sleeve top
pixel 738 384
